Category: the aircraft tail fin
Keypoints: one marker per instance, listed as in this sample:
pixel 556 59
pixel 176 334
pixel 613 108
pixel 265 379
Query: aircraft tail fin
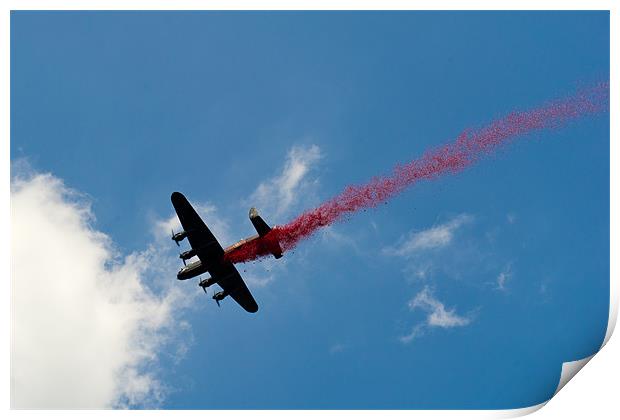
pixel 263 228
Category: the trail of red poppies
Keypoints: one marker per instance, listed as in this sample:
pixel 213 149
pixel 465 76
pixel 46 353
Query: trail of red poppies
pixel 467 149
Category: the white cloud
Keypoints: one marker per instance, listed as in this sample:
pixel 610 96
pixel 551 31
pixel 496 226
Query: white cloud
pixel 87 323
pixel 278 195
pixel 101 318
pixel 416 331
pixel 436 237
pixel 275 198
pixel 437 315
pixel 503 277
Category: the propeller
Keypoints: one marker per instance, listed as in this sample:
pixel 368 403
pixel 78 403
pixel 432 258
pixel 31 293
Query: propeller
pixel 216 300
pixel 174 238
pixel 201 285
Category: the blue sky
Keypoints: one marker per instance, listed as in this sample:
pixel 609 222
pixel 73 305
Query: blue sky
pixel 464 292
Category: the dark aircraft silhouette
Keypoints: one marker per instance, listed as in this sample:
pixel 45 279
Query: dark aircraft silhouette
pixel 211 255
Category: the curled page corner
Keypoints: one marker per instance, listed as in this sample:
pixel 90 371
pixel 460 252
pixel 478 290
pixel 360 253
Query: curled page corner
pixel 613 314
pixel 570 369
pixel 519 412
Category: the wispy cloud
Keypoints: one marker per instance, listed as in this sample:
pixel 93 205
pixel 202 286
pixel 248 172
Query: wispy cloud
pixel 332 236
pixel 416 331
pixel 337 348
pixel 437 315
pixel 274 196
pixel 435 237
pixel 277 195
pixel 209 214
pixel 87 322
pixel 504 277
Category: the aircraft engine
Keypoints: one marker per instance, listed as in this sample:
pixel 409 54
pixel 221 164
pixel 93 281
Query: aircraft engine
pixel 176 237
pixel 206 283
pixel 187 254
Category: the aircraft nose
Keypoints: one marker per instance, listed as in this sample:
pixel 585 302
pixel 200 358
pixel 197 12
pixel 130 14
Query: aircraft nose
pixel 181 274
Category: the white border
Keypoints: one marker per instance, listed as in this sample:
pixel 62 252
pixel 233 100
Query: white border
pixel 309 5
pixel 600 381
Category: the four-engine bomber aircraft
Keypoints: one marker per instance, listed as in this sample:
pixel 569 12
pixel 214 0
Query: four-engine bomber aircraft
pixel 211 255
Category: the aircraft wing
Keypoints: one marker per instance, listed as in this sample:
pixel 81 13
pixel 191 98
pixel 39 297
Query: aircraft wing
pixel 207 248
pixel 229 279
pixel 211 254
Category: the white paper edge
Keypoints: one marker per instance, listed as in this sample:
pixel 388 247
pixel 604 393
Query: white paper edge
pixel 569 369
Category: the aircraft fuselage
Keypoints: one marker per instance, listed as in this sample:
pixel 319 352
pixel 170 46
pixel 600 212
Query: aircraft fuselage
pixel 196 268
